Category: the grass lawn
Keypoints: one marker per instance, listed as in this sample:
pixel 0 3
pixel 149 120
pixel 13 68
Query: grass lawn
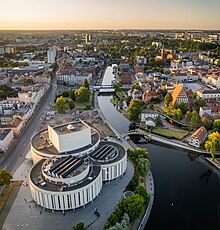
pixel 170 133
pixel 125 113
pixel 81 105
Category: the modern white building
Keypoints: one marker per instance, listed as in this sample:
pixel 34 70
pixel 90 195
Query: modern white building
pixel 64 77
pixel 71 164
pixel 51 55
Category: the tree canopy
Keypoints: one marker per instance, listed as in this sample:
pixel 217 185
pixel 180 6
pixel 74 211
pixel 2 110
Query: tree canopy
pixel 5 177
pixel 82 94
pixel 134 109
pixel 212 143
pixel 167 100
pixel 61 104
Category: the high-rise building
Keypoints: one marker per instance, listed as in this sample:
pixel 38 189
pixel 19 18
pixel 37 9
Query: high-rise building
pixel 88 38
pixel 51 55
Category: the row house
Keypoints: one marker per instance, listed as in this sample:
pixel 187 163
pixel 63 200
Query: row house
pixel 204 93
pixel 65 77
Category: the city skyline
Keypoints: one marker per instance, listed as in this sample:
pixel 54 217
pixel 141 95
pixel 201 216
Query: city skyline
pixel 139 14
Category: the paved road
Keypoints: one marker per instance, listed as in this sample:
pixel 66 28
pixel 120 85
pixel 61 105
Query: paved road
pixel 18 150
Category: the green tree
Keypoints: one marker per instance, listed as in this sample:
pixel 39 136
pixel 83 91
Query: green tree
pixel 188 115
pixel 167 100
pixel 5 177
pixel 195 119
pixel 136 85
pixel 61 104
pixel 178 114
pixel 182 107
pixel 200 103
pixel 140 190
pixel 71 104
pixel 65 93
pixel 207 123
pixel 133 206
pixel 216 125
pixel 158 121
pixel 72 95
pixel 212 143
pixel 134 109
pixel 117 86
pixel 82 94
pixel 86 84
pixel 79 226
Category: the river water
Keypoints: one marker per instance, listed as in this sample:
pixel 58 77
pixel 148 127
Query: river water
pixel 187 192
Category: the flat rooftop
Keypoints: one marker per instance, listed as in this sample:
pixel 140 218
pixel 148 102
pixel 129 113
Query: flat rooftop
pixel 70 128
pixel 37 179
pixel 64 167
pixel 4 133
pixel 42 143
pixel 108 152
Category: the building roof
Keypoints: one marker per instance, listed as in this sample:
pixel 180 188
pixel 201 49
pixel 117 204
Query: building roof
pixel 200 133
pixel 178 92
pixel 208 91
pixel 4 133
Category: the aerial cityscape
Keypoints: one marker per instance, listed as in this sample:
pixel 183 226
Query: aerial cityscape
pixel 110 115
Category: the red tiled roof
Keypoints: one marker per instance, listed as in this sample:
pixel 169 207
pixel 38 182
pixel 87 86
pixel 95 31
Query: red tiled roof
pixel 200 133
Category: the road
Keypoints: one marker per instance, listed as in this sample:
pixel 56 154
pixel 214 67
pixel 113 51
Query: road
pixel 16 153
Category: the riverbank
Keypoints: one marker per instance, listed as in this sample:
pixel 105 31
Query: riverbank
pixel 140 225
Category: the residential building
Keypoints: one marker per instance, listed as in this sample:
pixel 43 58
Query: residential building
pixel 66 77
pixel 204 93
pixel 204 110
pixel 6 137
pixel 198 137
pixel 135 93
pixel 150 95
pixel 148 113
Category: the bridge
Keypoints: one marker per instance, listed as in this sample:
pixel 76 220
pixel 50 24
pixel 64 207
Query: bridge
pixel 137 132
pixel 104 88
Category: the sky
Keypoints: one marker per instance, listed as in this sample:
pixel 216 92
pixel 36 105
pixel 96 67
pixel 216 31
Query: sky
pixel 109 14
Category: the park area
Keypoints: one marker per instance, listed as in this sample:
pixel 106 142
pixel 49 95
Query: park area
pixel 171 133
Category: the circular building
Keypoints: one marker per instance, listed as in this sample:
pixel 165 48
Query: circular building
pixel 65 183
pixel 71 164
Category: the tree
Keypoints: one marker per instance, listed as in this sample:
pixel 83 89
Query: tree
pixel 200 103
pixel 61 104
pixel 79 226
pixel 158 121
pixel 136 85
pixel 82 94
pixel 86 84
pixel 117 86
pixel 178 114
pixel 71 104
pixel 182 107
pixel 65 94
pixel 167 100
pixel 5 177
pixel 134 109
pixel 72 95
pixel 195 119
pixel 216 125
pixel 188 115
pixel 140 190
pixel 133 206
pixel 212 143
pixel 207 123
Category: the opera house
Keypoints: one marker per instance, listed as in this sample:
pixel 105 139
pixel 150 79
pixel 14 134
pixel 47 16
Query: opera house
pixel 71 163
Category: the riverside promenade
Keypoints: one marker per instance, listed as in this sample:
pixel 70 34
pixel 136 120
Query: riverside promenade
pixel 170 142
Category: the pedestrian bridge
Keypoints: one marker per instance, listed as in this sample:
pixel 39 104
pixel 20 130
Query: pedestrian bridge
pixel 137 132
pixel 104 88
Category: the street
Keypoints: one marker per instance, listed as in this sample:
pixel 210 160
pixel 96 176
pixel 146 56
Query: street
pixel 19 148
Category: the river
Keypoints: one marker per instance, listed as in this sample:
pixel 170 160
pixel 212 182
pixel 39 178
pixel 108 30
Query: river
pixel 187 193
